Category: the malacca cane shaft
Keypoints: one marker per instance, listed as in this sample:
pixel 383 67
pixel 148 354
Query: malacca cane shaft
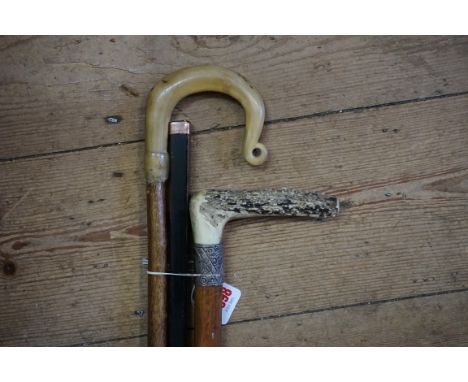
pixel 209 263
pixel 208 316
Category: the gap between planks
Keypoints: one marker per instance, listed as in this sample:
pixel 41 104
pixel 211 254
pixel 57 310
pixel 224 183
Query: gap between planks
pixel 269 122
pixel 425 110
pixel 305 312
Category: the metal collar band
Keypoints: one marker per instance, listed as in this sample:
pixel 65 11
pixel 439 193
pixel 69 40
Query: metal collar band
pixel 209 264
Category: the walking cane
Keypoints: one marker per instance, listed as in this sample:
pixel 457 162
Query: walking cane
pixel 161 102
pixel 209 212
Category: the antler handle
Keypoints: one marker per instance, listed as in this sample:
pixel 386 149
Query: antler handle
pixel 210 211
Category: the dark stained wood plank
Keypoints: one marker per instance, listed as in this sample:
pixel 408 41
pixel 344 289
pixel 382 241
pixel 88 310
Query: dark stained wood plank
pixel 74 224
pixel 55 92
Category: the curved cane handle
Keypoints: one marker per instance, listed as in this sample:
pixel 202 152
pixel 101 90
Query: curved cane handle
pixel 207 78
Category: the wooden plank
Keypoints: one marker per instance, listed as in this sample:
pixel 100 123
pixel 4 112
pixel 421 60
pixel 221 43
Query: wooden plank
pixel 139 341
pixel 440 320
pixel 429 321
pixel 55 92
pixel 73 224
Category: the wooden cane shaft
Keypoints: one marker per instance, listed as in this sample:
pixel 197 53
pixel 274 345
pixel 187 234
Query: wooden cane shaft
pixel 208 316
pixel 157 247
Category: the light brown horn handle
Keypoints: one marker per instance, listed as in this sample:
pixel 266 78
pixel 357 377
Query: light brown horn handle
pixel 207 78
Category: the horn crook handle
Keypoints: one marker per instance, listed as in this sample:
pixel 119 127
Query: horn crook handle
pixel 208 78
pixel 161 102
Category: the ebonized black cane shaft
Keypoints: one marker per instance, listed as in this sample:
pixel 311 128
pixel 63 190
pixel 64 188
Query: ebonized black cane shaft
pixel 178 238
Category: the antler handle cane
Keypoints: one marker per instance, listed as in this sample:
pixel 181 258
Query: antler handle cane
pixel 209 212
pixel 161 102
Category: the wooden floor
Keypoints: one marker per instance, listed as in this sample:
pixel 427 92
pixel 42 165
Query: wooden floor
pixel 382 122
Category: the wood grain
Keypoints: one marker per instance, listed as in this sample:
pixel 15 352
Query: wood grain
pixel 73 225
pixel 56 92
pixel 427 321
pixel 439 320
pixel 207 317
pixel 157 262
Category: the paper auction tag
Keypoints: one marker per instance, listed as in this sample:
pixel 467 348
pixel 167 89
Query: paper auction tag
pixel 230 297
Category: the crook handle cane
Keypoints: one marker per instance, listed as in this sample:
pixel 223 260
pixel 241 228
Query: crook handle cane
pixel 161 102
